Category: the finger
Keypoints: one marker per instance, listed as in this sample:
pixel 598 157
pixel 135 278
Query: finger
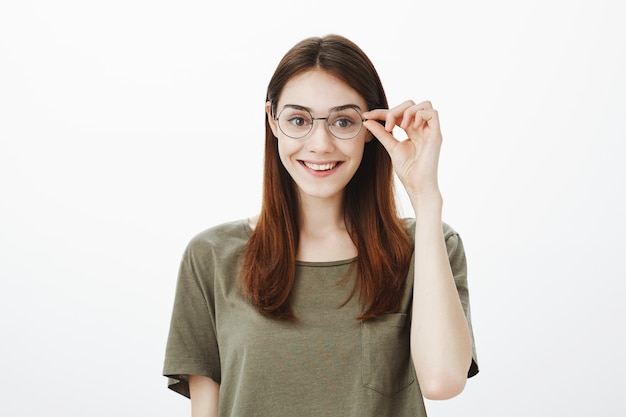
pixel 424 127
pixel 409 113
pixel 392 117
pixel 377 114
pixel 395 116
pixel 382 115
pixel 425 105
pixel 404 105
pixel 383 136
pixel 429 117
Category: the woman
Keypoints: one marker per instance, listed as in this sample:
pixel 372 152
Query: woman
pixel 327 303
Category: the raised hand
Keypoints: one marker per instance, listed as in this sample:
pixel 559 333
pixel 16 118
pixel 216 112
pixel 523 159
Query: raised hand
pixel 416 158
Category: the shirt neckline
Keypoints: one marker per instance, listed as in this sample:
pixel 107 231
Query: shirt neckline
pixel 338 262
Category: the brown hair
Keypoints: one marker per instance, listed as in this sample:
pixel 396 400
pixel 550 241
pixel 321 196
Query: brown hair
pixel 383 246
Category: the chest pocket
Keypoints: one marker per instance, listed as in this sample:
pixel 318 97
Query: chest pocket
pixel 386 358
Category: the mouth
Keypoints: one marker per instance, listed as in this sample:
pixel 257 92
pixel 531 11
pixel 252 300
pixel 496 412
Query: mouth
pixel 327 166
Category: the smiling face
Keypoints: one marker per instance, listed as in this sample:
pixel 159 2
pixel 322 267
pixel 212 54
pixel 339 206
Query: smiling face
pixel 320 164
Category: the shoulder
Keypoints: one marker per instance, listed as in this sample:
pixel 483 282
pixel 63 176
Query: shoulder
pixel 454 244
pixel 448 231
pixel 220 239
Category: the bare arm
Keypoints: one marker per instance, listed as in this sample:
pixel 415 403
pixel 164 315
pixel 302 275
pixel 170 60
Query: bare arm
pixel 440 340
pixel 204 393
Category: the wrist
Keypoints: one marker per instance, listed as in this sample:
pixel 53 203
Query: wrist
pixel 426 201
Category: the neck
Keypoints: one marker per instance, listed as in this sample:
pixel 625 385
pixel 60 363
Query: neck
pixel 318 215
pixel 323 233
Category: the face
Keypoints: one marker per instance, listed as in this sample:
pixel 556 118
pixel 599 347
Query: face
pixel 320 164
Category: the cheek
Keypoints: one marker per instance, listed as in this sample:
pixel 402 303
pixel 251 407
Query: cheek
pixel 285 150
pixel 357 148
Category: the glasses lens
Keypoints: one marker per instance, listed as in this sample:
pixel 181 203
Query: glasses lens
pixel 294 122
pixel 345 123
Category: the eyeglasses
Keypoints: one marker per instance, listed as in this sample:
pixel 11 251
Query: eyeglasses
pixel 296 122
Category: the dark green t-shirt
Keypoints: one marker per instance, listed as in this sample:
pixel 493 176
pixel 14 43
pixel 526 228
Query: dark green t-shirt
pixel 326 364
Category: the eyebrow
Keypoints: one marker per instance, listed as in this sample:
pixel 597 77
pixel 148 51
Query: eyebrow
pixel 337 108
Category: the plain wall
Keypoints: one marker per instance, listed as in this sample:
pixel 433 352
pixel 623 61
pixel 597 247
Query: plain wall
pixel 126 127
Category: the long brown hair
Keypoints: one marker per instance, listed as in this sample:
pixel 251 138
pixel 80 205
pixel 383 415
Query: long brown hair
pixel 383 246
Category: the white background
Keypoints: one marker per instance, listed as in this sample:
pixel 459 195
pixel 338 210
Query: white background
pixel 128 126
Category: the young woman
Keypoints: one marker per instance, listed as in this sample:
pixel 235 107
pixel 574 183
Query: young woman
pixel 327 303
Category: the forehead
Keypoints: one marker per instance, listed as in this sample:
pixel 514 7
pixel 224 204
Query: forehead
pixel 319 91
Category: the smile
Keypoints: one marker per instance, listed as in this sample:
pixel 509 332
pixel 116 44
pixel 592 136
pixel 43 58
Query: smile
pixel 320 167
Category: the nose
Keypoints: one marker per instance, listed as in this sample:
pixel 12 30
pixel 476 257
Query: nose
pixel 319 139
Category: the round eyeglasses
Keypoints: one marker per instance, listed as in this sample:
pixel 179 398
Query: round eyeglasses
pixel 296 122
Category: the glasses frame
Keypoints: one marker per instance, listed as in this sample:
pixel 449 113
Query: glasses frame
pixel 313 119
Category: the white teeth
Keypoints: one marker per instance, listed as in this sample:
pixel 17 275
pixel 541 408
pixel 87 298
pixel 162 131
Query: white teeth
pixel 322 167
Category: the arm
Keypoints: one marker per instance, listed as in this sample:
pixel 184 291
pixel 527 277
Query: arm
pixel 204 393
pixel 440 339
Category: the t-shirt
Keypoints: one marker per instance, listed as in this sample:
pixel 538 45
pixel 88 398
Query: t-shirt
pixel 327 363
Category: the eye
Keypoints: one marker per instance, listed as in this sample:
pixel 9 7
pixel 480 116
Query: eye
pixel 343 123
pixel 295 118
pixel 299 121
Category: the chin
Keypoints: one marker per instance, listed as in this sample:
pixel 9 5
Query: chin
pixel 321 194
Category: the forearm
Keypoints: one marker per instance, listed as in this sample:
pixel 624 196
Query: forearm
pixel 440 340
pixel 204 393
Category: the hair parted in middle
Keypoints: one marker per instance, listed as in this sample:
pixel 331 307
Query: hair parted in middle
pixel 383 245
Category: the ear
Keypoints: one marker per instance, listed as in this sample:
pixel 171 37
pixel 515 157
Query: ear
pixel 369 136
pixel 270 118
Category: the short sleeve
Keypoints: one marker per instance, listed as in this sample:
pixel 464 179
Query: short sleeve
pixel 192 347
pixel 458 263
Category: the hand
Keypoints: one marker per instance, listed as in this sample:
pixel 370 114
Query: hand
pixel 415 159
